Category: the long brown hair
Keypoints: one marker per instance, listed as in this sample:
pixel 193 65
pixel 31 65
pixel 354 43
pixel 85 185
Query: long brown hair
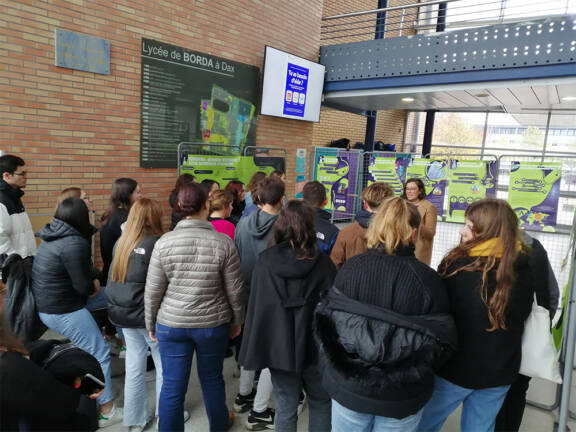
pixel 392 225
pixel 144 219
pixel 491 219
pixel 295 224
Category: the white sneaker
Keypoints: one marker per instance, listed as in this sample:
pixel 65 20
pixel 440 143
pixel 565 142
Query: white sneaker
pixel 136 428
pixel 114 416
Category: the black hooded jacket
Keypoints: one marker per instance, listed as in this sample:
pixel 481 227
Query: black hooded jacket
pixel 126 299
pixel 62 274
pixel 278 327
pixel 383 330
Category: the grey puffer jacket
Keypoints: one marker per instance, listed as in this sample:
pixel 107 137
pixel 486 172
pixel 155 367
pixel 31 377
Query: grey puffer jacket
pixel 194 279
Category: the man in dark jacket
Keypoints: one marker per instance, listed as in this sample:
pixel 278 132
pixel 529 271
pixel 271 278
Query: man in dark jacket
pixel 252 237
pixel 314 194
pixel 16 234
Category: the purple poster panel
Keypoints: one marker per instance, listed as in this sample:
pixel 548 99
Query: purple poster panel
pixel 534 193
pixel 338 171
pixel 295 92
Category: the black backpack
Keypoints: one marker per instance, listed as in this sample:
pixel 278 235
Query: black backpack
pixel 20 314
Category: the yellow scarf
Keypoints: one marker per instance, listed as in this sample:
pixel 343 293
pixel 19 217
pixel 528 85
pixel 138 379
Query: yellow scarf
pixel 491 247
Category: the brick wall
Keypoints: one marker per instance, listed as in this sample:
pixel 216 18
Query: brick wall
pixel 77 128
pixel 338 124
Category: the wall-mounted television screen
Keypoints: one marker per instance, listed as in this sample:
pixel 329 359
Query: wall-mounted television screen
pixel 292 86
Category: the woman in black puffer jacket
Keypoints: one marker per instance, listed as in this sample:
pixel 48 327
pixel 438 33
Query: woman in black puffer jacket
pixel 125 292
pixel 62 280
pixel 384 329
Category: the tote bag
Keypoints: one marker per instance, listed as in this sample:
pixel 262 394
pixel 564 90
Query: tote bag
pixel 539 355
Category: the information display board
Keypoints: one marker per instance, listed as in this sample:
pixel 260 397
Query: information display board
pixel 188 96
pixel 337 170
pixel 470 180
pixel 434 175
pixel 534 192
pixel 226 168
pixel 389 169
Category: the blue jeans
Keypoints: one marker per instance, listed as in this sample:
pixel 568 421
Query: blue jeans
pixel 101 302
pixel 346 420
pixel 287 386
pixel 135 395
pixel 479 409
pixel 82 330
pixel 177 346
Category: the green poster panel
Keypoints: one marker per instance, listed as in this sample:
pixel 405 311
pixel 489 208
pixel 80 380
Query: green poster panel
pixel 469 181
pixel 434 174
pixel 534 192
pixel 223 168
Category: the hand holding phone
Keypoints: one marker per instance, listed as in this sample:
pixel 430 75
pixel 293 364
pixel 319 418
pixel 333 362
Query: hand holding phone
pixel 89 384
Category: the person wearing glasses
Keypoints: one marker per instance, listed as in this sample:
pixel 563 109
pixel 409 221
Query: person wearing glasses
pixel 16 233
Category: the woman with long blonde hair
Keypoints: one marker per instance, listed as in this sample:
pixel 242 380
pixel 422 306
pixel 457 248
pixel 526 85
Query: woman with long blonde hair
pixel 125 291
pixel 490 288
pixel 384 329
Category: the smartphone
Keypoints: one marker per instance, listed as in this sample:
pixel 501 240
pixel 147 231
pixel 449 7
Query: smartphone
pixel 90 384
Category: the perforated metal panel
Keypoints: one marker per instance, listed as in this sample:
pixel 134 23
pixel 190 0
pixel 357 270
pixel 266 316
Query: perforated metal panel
pixel 535 43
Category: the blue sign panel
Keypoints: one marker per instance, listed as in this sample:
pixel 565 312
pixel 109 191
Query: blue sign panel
pixel 295 93
pixel 82 52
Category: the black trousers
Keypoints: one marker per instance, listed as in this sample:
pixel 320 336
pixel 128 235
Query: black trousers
pixel 510 416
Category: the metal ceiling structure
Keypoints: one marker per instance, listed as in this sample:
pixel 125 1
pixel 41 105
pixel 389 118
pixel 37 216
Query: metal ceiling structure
pixel 522 68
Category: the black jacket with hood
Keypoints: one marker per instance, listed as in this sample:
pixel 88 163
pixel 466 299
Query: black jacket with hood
pixel 326 231
pixel 62 273
pixel 278 327
pixel 252 236
pixel 126 299
pixel 383 330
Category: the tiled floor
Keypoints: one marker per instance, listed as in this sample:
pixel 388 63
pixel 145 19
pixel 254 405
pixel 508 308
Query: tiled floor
pixel 535 420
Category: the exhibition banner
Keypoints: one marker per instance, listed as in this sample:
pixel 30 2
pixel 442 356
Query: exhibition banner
pixel 434 174
pixel 388 169
pixel 337 170
pixel 534 192
pixel 226 168
pixel 470 180
pixel 189 96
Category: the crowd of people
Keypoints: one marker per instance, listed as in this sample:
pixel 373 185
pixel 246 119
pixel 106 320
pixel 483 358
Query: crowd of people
pixel 353 322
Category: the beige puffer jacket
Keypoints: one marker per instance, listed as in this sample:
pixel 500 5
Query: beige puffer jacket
pixel 194 279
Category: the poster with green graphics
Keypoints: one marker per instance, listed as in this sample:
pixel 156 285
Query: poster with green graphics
pixel 337 170
pixel 226 168
pixel 470 181
pixel 534 192
pixel 434 174
pixel 388 169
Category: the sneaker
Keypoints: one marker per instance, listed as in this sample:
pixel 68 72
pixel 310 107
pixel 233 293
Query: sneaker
pixel 259 421
pixel 301 402
pixel 122 352
pixel 108 419
pixel 136 428
pixel 244 403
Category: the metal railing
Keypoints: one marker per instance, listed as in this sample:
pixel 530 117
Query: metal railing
pixel 423 17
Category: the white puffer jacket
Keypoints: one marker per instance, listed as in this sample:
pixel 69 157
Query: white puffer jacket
pixel 16 234
pixel 194 279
